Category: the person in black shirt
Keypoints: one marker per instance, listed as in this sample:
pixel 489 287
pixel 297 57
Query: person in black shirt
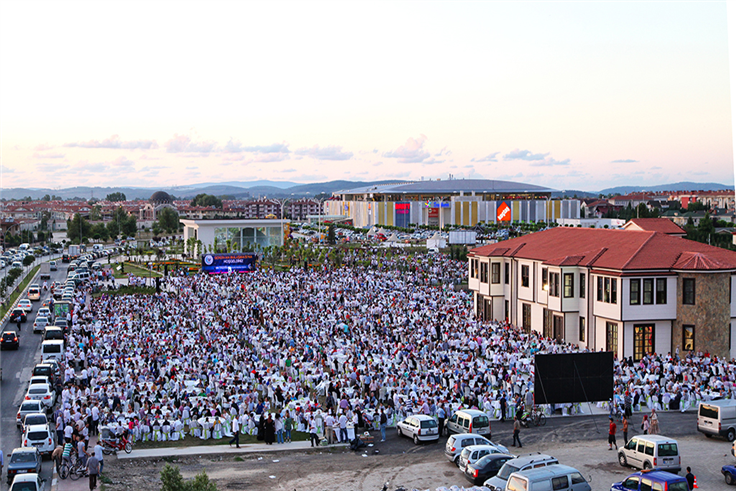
pixel 690 479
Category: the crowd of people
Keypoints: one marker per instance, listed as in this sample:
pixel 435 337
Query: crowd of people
pixel 326 351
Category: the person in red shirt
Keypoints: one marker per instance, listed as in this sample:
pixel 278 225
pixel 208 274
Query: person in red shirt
pixel 611 434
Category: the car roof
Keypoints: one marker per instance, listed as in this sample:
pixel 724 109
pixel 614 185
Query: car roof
pixel 480 447
pixel 463 436
pixel 9 332
pixel 658 474
pixel 471 412
pixel 28 477
pixel 37 427
pixel 422 417
pixel 25 450
pixel 655 438
pixel 37 414
pixel 547 471
pixel 528 459
pixel 33 386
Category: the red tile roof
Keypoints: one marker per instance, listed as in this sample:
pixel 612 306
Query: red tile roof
pixel 664 225
pixel 619 250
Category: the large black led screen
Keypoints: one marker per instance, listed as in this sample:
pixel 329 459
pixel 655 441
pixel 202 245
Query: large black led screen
pixel 574 377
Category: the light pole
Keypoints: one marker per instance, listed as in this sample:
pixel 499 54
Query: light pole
pixel 282 202
pixel 319 220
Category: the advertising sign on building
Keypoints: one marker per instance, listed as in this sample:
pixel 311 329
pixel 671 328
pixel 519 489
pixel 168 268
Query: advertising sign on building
pixel 229 263
pixel 503 212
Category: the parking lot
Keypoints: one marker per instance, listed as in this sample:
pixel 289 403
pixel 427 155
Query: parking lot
pixel 576 441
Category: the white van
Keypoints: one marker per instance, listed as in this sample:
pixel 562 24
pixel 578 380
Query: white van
pixel 532 461
pixel 718 418
pixel 469 421
pixel 549 478
pixel 650 451
pixel 52 349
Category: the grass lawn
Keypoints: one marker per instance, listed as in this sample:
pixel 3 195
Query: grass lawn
pixel 12 298
pixel 131 268
pixel 191 441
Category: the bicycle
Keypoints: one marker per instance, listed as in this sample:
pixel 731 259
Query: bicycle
pixel 538 417
pixel 74 470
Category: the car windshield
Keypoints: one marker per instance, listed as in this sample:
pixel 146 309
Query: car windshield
pixel 37 435
pixel 22 457
pixel 480 421
pixel 39 390
pixel 35 420
pixel 430 423
pixel 506 471
pixel 29 407
pixel 24 486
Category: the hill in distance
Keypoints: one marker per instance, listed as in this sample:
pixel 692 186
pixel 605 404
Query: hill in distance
pixel 677 186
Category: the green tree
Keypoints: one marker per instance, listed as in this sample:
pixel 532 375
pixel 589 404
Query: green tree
pixel 696 206
pixel 76 226
pixel 129 226
pixel 115 197
pixel 100 232
pixel 168 220
pixel 46 198
pixel 28 260
pixel 96 213
pixel 203 199
pixel 112 229
pixel 706 227
pixel 331 234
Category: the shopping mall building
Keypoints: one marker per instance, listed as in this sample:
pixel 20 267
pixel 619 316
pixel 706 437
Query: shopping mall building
pixel 450 202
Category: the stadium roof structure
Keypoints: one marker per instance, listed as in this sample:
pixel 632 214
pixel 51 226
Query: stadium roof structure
pixel 451 186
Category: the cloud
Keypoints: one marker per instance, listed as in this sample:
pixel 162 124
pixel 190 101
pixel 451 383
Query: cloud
pixel 183 143
pixel 332 152
pixel 624 161
pixel 115 142
pixel 411 152
pixel 48 155
pixel 517 154
pixel 656 168
pixel 549 162
pixel 432 161
pixel 192 168
pixel 378 164
pixel 6 170
pixel 270 157
pixel 234 146
pixel 442 152
pixel 289 170
pixel 491 157
pixel 42 147
pixel 50 168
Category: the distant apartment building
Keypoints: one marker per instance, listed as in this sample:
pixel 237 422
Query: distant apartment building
pixel 299 209
pixel 632 291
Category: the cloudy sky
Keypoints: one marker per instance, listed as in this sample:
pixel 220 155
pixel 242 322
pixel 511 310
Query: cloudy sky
pixel 160 94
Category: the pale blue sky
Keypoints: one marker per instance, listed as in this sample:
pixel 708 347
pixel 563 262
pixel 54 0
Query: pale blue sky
pixel 568 95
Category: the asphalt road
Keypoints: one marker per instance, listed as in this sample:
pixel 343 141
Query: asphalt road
pixel 17 367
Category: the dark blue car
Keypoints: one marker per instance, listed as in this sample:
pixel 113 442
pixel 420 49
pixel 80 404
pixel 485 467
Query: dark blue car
pixel 647 479
pixel 729 472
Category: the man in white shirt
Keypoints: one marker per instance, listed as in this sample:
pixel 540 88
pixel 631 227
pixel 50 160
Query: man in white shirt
pixel 99 455
pixel 343 428
pixel 329 428
pixel 235 427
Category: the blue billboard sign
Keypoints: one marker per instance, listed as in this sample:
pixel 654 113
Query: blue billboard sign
pixel 229 263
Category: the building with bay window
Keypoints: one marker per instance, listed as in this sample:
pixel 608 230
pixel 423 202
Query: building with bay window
pixel 632 291
pixel 236 233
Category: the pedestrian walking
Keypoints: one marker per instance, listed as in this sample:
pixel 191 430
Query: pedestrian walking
pixel 313 438
pixel 99 456
pixel 384 421
pixel 235 427
pixel 93 469
pixel 441 415
pixel 653 423
pixel 517 429
pixel 690 479
pixel 645 424
pixel 625 429
pixel 611 434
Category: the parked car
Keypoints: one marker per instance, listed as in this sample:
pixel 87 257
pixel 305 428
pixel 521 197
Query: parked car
pixel 52 349
pixel 28 482
pixel 456 443
pixel 45 312
pixel 23 460
pixel 648 480
pixel 9 340
pixel 650 451
pixel 718 418
pixel 485 468
pixel 533 461
pixel 550 477
pixel 473 453
pixel 469 421
pixel 419 427
pixel 41 437
pixel 46 369
pixel 53 333
pixel 18 314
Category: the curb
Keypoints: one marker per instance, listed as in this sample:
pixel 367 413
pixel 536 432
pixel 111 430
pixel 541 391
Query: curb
pixel 222 450
pixel 10 310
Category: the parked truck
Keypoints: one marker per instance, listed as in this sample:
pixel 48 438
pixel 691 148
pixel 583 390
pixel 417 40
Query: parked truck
pixel 45 271
pixel 73 251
